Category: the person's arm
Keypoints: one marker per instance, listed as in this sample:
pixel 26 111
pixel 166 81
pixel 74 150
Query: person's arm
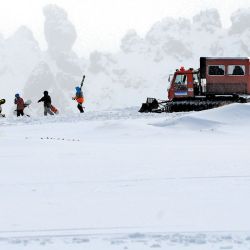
pixel 41 100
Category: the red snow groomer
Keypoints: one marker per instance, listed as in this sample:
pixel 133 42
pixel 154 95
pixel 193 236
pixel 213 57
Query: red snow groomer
pixel 218 82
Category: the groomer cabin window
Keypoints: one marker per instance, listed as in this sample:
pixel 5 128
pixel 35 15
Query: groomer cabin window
pixel 236 70
pixel 216 70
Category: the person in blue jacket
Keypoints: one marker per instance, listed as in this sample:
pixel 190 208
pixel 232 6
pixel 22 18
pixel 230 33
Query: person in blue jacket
pixel 79 98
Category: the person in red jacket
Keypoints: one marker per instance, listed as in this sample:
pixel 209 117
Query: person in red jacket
pixel 19 105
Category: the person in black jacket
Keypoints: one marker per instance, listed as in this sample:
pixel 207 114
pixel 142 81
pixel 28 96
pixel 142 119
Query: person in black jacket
pixel 47 103
pixel 2 101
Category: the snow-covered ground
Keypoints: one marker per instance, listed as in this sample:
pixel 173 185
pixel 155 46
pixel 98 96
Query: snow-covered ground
pixel 123 180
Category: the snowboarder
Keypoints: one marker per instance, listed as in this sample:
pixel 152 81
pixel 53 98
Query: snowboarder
pixel 19 105
pixel 2 101
pixel 47 103
pixel 79 98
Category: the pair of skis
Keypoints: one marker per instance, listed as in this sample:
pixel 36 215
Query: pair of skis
pixel 83 78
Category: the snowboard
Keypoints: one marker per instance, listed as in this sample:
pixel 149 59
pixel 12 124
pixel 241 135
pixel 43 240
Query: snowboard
pixel 54 109
pixel 27 103
pixel 2 101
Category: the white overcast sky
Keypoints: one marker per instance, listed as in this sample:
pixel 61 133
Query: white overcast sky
pixel 101 24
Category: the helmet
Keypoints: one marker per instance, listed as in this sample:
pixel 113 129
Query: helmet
pixel 17 95
pixel 78 89
pixel 45 92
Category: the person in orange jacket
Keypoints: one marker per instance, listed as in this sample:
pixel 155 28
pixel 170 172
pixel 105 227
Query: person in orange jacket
pixel 79 98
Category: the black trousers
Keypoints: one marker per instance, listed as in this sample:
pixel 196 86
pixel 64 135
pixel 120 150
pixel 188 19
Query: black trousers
pixel 20 112
pixel 79 106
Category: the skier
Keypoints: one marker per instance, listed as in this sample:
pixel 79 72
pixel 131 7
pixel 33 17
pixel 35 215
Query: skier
pixel 19 105
pixel 2 101
pixel 47 103
pixel 79 98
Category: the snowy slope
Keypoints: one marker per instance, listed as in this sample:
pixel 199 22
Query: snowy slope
pixel 114 80
pixel 122 180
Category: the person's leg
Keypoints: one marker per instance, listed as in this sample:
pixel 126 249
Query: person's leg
pixel 1 115
pixel 79 106
pixel 18 113
pixel 45 111
pixel 21 113
pixel 50 112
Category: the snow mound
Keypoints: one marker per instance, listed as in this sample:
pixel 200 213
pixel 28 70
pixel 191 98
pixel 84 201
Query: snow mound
pixel 237 114
pixel 189 122
pixel 231 114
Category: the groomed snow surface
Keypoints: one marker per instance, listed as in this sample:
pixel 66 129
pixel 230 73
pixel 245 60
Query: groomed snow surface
pixel 123 180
